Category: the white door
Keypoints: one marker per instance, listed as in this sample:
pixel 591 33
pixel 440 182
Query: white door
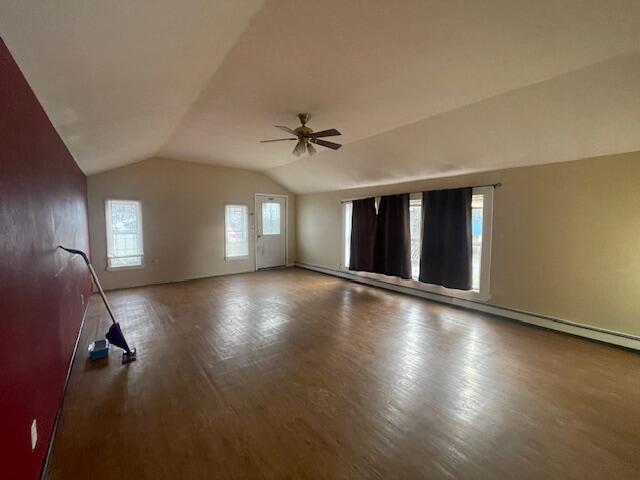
pixel 271 244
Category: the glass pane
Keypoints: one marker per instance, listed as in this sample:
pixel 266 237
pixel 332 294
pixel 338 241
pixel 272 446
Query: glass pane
pixel 415 217
pixel 124 230
pixel 477 207
pixel 236 223
pixel 270 218
pixel 348 212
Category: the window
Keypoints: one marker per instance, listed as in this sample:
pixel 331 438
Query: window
pixel 481 218
pixel 477 217
pixel 270 218
pixel 236 232
pixel 348 211
pixel 124 234
pixel 415 223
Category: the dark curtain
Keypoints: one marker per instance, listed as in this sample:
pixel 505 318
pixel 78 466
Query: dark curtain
pixel 446 239
pixel 363 225
pixel 392 246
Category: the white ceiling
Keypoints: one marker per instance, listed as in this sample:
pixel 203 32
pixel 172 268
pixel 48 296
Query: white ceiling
pixel 117 77
pixel 419 88
pixel 586 113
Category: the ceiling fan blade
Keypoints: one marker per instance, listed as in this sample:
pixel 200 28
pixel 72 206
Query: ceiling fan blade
pixel 324 143
pixel 326 133
pixel 286 129
pixel 311 149
pixel 277 140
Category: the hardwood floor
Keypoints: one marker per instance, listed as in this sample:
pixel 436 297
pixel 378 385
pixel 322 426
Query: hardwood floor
pixel 295 374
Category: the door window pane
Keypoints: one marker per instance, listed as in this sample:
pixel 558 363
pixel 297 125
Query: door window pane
pixel 270 218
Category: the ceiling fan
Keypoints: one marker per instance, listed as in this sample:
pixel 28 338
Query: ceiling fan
pixel 306 137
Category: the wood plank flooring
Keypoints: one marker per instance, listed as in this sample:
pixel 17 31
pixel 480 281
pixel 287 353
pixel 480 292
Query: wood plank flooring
pixel 295 374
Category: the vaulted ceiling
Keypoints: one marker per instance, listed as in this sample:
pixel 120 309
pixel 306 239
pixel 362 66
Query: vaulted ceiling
pixel 419 88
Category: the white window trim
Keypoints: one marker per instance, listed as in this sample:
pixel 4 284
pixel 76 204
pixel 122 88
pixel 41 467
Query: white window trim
pixel 483 295
pixel 126 267
pixel 107 231
pixel 234 258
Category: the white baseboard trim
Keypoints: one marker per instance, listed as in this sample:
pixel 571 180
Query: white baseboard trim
pixel 44 470
pixel 587 331
pixel 167 282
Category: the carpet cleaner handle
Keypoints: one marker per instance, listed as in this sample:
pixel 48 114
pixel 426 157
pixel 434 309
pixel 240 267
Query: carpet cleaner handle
pixel 95 279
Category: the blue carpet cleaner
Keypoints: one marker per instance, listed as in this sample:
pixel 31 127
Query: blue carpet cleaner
pixel 114 336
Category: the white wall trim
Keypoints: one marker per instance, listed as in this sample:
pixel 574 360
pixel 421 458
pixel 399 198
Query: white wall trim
pixel 582 330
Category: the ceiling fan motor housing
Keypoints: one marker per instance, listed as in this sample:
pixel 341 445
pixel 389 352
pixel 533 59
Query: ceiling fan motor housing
pixel 303 131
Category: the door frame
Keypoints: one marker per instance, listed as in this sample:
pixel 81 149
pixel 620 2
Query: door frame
pixel 255 227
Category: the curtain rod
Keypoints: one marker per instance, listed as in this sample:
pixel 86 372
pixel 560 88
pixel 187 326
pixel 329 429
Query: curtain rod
pixel 494 185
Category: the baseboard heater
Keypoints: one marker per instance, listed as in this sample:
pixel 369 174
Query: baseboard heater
pixel 586 331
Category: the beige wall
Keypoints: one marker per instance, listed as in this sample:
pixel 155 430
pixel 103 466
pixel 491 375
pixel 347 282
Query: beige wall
pixel 566 237
pixel 183 218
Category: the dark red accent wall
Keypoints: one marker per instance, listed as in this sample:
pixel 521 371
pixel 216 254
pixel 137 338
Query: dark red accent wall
pixel 43 203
